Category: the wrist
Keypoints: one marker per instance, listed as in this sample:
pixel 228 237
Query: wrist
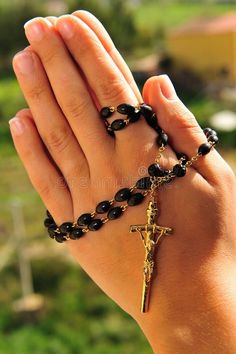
pixel 198 318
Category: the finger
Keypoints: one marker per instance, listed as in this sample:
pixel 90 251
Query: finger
pixel 44 176
pixel 51 124
pixel 70 89
pixel 97 27
pixel 102 74
pixel 52 19
pixel 184 131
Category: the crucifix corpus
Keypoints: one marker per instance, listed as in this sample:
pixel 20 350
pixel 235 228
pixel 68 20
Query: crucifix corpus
pixel 151 234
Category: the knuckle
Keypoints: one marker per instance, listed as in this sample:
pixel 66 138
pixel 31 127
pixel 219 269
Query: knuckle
pixel 188 117
pixel 77 108
pixel 182 115
pixel 35 93
pixel 92 136
pixel 112 90
pixel 185 120
pixel 58 140
pixel 43 189
pixel 49 58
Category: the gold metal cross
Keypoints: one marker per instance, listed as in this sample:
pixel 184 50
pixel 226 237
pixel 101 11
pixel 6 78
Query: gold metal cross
pixel 150 234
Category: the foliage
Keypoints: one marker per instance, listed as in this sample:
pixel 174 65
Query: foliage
pixel 117 17
pixel 13 15
pixel 11 100
pixel 78 317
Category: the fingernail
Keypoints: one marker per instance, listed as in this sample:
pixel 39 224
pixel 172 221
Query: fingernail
pixel 66 28
pixel 34 30
pixel 167 88
pixel 16 126
pixel 24 62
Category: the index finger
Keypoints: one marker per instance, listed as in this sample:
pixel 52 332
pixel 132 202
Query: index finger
pixel 97 27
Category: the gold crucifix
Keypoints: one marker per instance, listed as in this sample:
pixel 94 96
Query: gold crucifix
pixel 150 234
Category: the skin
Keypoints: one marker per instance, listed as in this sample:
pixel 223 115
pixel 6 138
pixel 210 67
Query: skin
pixel 73 164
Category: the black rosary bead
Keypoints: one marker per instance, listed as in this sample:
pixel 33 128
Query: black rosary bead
pixel 48 222
pixel 66 227
pixel 158 129
pixel 122 195
pixel 207 130
pixel 167 172
pixel 146 110
pixel 162 139
pixel 135 199
pixel 212 132
pixel 49 215
pixel 76 234
pixel 106 112
pixel 111 133
pixel 204 149
pixel 103 207
pixel 144 183
pixel 213 138
pixel 52 231
pixel 84 219
pixel 179 170
pixel 60 238
pixel 134 117
pixel 152 121
pixel 114 213
pixel 95 225
pixel 155 170
pixel 118 124
pixel 126 108
pixel 182 156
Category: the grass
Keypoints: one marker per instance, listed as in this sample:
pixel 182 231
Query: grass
pixel 78 317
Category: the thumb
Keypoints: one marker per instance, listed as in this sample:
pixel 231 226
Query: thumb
pixel 185 134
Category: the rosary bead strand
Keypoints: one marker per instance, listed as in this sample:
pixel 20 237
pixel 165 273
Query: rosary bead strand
pixel 133 114
pixel 146 185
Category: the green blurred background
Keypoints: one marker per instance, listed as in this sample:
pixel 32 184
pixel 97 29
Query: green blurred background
pixel 70 314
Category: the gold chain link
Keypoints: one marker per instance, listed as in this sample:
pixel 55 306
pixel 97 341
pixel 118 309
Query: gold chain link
pixel 124 207
pixel 192 160
pixel 104 220
pixel 159 153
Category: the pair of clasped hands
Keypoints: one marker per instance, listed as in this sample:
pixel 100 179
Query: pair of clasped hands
pixel 70 70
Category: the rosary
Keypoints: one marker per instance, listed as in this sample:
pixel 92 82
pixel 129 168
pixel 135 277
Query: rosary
pixel 150 233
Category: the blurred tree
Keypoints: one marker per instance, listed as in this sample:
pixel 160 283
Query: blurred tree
pixel 13 15
pixel 117 17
